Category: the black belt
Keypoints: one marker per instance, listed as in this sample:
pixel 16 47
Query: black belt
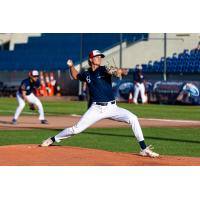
pixel 105 103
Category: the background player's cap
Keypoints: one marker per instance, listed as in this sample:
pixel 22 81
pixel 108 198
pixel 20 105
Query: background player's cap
pixel 34 73
pixel 138 67
pixel 96 53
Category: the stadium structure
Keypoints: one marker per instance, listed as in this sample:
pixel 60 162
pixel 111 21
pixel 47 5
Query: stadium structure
pixel 167 57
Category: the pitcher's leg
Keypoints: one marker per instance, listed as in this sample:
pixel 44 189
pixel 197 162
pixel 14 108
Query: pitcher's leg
pixel 124 115
pixel 20 106
pixel 93 115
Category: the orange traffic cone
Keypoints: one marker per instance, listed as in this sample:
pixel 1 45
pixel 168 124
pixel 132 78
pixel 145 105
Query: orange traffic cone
pixel 43 90
pixel 47 80
pixel 130 97
pixel 43 85
pixel 52 84
pixel 37 92
pixel 41 76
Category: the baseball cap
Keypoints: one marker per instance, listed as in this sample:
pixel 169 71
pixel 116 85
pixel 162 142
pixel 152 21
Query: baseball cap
pixel 34 73
pixel 138 67
pixel 94 53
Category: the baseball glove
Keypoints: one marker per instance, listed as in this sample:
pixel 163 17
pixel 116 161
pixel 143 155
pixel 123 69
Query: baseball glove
pixel 32 106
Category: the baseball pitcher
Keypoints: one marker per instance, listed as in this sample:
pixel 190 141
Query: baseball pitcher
pixel 98 79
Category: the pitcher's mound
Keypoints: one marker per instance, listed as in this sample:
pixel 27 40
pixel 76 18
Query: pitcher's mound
pixel 33 155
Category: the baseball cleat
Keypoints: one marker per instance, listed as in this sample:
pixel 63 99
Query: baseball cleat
pixel 44 121
pixel 14 121
pixel 47 142
pixel 148 152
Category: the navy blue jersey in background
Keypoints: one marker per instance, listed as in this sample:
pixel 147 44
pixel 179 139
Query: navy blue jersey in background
pixel 29 86
pixel 138 77
pixel 99 84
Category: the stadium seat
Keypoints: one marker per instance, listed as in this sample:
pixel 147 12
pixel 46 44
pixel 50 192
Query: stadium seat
pixel 186 61
pixel 51 49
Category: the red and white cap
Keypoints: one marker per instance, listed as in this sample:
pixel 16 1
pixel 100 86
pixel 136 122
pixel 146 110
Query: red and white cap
pixel 34 73
pixel 94 53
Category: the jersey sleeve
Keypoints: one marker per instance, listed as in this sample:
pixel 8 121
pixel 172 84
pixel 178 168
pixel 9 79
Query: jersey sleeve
pixel 23 86
pixel 81 76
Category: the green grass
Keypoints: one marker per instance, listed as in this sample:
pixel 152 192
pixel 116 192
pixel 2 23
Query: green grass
pixel 167 141
pixel 8 106
pixel 164 111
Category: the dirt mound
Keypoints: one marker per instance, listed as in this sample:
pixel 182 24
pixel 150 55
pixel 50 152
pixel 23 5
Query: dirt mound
pixel 33 155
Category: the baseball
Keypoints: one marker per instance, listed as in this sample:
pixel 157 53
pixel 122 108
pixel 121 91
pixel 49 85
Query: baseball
pixel 70 63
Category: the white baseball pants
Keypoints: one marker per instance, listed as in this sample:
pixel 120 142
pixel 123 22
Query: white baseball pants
pixel 139 87
pixel 32 99
pixel 96 113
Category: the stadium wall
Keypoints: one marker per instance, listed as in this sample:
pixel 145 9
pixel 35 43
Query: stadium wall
pixel 151 50
pixel 68 87
pixel 16 38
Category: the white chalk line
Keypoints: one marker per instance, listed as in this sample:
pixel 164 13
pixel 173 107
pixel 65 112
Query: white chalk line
pixel 170 120
pixel 35 113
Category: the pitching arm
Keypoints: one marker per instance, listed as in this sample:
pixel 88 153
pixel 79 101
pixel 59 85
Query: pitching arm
pixel 73 71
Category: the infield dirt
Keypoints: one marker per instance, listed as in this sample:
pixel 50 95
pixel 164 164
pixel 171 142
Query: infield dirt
pixel 60 122
pixel 33 155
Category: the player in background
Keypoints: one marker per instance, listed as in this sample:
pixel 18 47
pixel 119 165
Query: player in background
pixel 139 85
pixel 26 94
pixel 103 106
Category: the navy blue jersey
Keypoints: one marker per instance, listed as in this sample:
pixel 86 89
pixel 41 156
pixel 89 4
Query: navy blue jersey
pixel 138 77
pixel 29 86
pixel 99 84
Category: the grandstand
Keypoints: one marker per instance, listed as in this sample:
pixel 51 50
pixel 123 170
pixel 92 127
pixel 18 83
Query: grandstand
pixel 20 53
pixel 48 52
pixel 185 62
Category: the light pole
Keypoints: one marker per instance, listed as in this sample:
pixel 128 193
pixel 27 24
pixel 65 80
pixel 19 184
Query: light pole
pixel 1 44
pixel 120 50
pixel 165 57
pixel 81 60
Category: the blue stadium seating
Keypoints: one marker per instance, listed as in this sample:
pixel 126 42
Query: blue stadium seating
pixel 50 51
pixel 185 62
